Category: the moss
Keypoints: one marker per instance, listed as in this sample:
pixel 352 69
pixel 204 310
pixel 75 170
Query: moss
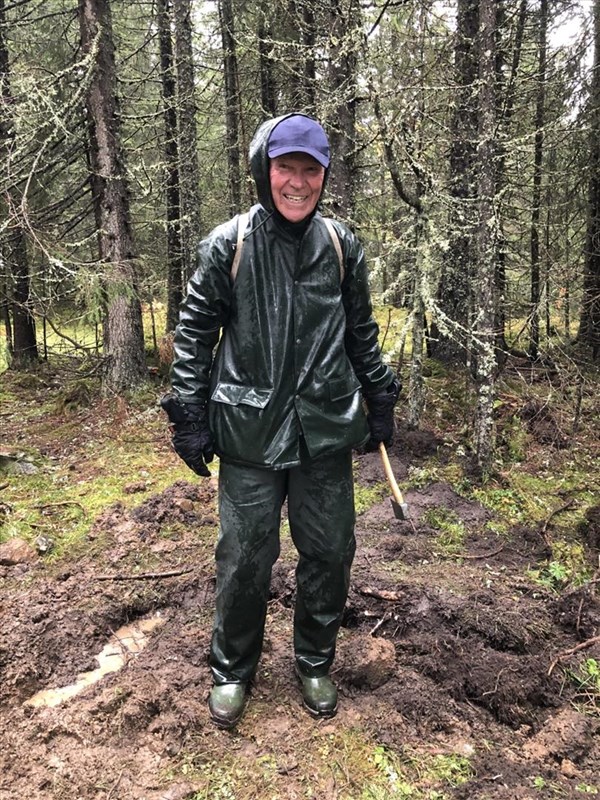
pixel 367 496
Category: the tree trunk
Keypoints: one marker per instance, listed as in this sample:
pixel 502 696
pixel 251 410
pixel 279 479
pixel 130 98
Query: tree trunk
pixel 300 57
pixel 454 292
pixel 486 258
pixel 343 59
pixel 189 171
pixel 505 102
pixel 171 150
pixel 232 122
pixel 14 250
pixel 534 313
pixel 589 324
pixel 265 50
pixel 124 352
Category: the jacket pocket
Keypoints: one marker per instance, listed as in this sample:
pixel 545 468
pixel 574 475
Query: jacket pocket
pixel 233 394
pixel 343 387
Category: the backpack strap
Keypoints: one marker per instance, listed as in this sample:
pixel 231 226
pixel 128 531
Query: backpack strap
pixel 336 243
pixel 242 225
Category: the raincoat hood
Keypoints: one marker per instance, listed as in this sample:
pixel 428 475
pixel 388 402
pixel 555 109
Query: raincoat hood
pixel 260 162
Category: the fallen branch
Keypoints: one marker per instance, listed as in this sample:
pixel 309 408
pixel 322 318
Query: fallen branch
pixel 61 503
pixel 555 513
pixel 476 556
pixel 380 594
pixel 573 650
pixel 144 576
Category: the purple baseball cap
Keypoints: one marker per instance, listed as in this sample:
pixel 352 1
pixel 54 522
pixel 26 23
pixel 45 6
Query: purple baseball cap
pixel 299 134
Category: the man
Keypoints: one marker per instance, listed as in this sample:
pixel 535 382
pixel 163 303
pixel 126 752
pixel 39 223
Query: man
pixel 281 405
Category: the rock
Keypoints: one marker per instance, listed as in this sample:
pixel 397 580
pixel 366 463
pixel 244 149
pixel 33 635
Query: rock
pixel 367 661
pixel 16 551
pixel 184 504
pixel 44 544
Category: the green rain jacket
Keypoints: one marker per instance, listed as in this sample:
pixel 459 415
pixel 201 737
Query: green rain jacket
pixel 295 345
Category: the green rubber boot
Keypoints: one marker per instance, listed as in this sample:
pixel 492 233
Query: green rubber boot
pixel 319 694
pixel 226 703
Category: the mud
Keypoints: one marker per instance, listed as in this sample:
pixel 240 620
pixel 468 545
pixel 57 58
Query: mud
pixel 452 653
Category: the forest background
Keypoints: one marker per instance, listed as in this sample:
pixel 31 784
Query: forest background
pixel 466 156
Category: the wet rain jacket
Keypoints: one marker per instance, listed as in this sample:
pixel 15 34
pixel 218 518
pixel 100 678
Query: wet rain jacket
pixel 297 345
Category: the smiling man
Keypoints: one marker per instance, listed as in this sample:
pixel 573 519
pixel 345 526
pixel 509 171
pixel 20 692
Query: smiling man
pixel 281 404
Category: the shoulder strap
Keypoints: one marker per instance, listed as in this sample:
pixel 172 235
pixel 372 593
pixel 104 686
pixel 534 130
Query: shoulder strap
pixel 242 225
pixel 336 243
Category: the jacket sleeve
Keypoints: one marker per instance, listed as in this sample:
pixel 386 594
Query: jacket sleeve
pixel 204 312
pixel 361 338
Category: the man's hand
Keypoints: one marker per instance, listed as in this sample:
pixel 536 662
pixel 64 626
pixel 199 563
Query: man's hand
pixel 381 415
pixel 192 440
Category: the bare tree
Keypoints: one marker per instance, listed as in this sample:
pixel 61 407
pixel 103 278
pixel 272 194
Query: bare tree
pixel 171 146
pixel 232 110
pixel 589 325
pixel 534 314
pixel 123 332
pixel 189 177
pixel 486 257
pixel 14 250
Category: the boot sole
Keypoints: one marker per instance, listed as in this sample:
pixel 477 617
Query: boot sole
pixel 319 714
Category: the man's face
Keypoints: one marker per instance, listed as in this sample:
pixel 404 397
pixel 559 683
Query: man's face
pixel 296 185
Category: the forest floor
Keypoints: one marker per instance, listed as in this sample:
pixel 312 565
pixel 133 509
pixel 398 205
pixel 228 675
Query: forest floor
pixel 468 662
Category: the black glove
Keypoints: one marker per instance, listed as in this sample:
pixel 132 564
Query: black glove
pixel 381 415
pixel 192 439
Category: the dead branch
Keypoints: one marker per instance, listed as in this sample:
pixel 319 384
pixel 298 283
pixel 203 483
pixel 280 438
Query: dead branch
pixel 143 576
pixel 380 594
pixel 555 513
pixel 476 556
pixel 573 650
pixel 61 503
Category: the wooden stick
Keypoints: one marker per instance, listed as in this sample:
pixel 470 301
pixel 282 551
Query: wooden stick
pixel 390 475
pixel 144 576
pixel 573 650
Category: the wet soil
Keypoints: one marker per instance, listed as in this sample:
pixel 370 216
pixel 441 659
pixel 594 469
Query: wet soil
pixel 438 653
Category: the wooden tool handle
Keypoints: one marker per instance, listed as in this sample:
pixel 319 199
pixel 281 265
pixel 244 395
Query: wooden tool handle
pixel 390 475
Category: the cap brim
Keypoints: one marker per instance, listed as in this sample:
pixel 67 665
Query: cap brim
pixel 283 151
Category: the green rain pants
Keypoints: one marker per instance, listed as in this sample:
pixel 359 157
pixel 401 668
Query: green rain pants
pixel 320 499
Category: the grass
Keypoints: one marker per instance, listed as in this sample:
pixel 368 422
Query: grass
pixel 349 760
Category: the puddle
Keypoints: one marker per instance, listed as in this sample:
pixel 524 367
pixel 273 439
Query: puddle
pixel 128 640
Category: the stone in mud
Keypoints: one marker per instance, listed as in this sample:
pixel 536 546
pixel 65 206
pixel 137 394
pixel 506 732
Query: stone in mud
pixel 16 551
pixel 367 661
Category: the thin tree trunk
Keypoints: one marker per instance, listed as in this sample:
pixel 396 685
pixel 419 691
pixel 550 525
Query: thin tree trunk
pixel 484 284
pixel 505 101
pixel 534 313
pixel 232 121
pixel 589 324
pixel 343 60
pixel 454 292
pixel 265 50
pixel 22 342
pixel 124 352
pixel 189 171
pixel 174 249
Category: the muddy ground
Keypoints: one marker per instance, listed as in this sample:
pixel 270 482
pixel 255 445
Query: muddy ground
pixel 439 654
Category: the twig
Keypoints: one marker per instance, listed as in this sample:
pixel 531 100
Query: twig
pixel 376 627
pixel 475 556
pixel 144 576
pixel 115 785
pixel 554 513
pixel 573 650
pixel 380 594
pixel 61 503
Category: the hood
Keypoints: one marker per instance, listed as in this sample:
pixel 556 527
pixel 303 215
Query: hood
pixel 259 161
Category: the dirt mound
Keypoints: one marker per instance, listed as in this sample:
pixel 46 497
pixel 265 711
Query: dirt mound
pixel 439 653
